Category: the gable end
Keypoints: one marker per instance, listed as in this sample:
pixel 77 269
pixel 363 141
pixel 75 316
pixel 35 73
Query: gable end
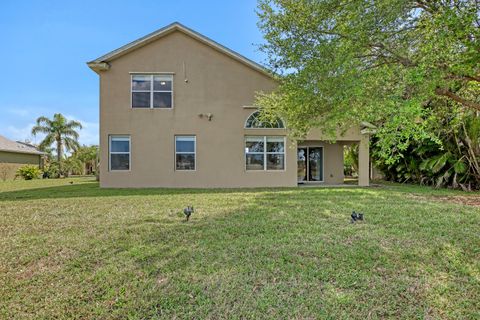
pixel 102 63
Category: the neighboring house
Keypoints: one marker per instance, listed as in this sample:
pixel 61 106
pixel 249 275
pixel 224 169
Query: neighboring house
pixel 176 110
pixel 15 154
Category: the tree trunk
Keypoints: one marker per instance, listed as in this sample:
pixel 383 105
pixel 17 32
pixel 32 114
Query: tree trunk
pixel 471 153
pixel 59 156
pixel 467 103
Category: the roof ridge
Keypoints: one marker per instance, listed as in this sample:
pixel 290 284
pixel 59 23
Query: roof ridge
pixel 8 145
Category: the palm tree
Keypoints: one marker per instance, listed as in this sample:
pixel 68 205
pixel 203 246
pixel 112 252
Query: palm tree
pixel 60 131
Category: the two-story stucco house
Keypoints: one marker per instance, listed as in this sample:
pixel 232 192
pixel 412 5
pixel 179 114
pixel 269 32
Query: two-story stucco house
pixel 176 110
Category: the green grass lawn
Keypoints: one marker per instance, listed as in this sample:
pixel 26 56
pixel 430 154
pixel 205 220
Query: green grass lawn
pixel 77 251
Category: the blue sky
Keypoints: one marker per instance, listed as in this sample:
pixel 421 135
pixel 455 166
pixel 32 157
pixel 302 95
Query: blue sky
pixel 45 45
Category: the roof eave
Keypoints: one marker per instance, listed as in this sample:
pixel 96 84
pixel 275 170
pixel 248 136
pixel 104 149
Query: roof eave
pixel 101 63
pixel 98 66
pixel 38 153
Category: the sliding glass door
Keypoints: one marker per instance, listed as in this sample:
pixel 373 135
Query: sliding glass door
pixel 310 164
pixel 302 155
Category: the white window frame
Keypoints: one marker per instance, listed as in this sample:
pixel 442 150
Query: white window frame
pixel 265 153
pixel 259 128
pixel 254 153
pixel 110 152
pixel 183 152
pixel 151 91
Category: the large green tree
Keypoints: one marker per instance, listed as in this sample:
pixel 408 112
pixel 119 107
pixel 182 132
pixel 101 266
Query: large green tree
pixel 342 62
pixel 60 131
pixel 87 155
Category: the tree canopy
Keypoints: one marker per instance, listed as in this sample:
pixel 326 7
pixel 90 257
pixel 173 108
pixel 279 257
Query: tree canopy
pixel 342 62
pixel 59 131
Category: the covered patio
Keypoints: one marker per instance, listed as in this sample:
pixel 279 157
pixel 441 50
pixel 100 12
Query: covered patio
pixel 321 162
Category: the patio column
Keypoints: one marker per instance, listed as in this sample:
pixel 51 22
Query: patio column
pixel 364 161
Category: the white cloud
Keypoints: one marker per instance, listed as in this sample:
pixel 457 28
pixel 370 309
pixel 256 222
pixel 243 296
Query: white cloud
pixel 21 133
pixel 88 135
pixel 19 112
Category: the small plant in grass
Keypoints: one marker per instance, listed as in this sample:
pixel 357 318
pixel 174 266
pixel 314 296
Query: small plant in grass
pixel 3 171
pixel 29 172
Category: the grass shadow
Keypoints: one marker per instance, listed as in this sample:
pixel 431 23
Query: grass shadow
pixel 87 189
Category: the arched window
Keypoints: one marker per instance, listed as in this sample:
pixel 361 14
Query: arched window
pixel 253 122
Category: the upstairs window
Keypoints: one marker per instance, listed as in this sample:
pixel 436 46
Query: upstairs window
pixel 254 122
pixel 152 91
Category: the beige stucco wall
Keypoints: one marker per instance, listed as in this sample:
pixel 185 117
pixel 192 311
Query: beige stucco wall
pixel 11 161
pixel 217 84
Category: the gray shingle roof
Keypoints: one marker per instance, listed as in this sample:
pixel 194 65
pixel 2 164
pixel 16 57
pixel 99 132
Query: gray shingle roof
pixel 16 146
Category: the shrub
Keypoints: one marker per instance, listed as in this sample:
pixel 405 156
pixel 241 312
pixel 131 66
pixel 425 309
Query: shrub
pixel 3 171
pixel 350 160
pixel 71 165
pixel 29 172
pixel 52 170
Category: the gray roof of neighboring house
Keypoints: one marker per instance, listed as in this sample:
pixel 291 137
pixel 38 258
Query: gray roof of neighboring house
pixel 102 62
pixel 16 146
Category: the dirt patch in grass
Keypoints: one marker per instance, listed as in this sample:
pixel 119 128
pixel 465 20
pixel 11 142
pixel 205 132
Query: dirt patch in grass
pixel 465 200
pixel 48 264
